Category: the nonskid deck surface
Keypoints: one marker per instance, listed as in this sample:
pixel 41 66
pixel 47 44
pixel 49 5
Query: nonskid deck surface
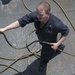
pixel 12 10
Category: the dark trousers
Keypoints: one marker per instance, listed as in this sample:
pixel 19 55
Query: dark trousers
pixel 46 53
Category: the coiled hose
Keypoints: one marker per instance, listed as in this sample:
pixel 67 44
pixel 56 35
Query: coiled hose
pixel 31 53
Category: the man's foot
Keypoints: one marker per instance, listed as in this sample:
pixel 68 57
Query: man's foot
pixel 42 67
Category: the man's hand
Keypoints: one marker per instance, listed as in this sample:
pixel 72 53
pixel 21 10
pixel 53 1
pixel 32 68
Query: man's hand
pixel 1 30
pixel 54 46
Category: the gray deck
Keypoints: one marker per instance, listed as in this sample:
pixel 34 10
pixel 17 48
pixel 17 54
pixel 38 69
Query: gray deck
pixel 12 10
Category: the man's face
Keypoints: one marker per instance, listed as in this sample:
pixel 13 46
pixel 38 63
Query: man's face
pixel 42 16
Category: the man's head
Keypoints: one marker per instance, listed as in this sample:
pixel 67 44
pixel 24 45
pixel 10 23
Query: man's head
pixel 43 11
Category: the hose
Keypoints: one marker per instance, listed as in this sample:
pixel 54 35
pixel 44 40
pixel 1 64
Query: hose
pixel 22 57
pixel 11 68
pixel 65 14
pixel 27 45
pixel 28 55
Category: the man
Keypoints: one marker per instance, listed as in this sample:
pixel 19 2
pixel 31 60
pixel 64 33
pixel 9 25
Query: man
pixel 47 28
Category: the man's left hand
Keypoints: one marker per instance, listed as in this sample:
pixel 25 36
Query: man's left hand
pixel 54 46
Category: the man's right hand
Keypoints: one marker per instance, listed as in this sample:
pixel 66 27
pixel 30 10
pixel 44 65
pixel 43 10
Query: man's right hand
pixel 1 30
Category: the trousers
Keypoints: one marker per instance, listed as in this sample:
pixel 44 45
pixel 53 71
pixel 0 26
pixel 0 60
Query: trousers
pixel 47 53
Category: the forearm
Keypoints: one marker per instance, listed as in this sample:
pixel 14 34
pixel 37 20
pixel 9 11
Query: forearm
pixel 11 26
pixel 61 40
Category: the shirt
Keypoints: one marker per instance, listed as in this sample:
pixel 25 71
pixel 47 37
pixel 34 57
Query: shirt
pixel 49 31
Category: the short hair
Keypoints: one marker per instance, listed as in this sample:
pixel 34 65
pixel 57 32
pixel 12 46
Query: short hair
pixel 45 6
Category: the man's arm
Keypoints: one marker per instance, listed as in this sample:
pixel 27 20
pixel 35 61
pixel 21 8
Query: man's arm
pixel 56 45
pixel 28 18
pixel 61 40
pixel 11 26
pixel 61 28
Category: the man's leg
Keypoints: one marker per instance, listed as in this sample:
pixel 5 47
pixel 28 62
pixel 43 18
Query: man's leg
pixel 46 54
